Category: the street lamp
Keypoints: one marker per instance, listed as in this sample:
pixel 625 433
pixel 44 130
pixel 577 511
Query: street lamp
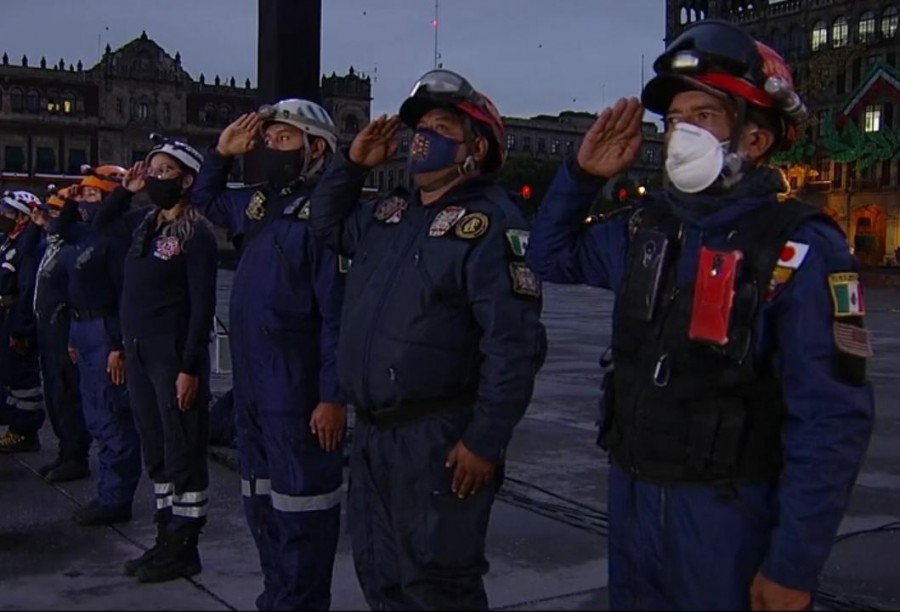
pixel 641 190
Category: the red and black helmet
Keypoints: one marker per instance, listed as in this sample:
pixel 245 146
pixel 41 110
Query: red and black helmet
pixel 721 58
pixel 446 89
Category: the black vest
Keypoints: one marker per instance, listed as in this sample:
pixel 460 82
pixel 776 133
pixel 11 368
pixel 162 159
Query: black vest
pixel 685 411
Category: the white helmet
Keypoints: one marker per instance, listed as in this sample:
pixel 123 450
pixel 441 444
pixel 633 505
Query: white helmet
pixel 183 152
pixel 303 115
pixel 21 201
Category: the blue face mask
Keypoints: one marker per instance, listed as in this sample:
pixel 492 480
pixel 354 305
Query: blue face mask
pixel 431 151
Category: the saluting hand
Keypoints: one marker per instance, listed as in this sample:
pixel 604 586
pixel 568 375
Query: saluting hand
pixel 471 473
pixel 115 367
pixel 241 137
pixel 375 144
pixel 135 177
pixel 186 390
pixel 328 423
pixel 614 141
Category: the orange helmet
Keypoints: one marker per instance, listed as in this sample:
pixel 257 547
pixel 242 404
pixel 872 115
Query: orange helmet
pixel 721 58
pixel 57 197
pixel 105 178
pixel 443 89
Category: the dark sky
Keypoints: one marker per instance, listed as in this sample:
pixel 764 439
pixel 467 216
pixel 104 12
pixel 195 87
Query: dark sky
pixel 530 56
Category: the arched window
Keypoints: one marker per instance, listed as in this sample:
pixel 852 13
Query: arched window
pixel 693 15
pixel 68 103
pixel 866 27
pixel 33 101
pixel 224 114
pixel 143 111
pixel 351 124
pixel 210 113
pixel 16 100
pixel 890 19
pixel 840 32
pixel 797 40
pixel 819 36
pixel 682 15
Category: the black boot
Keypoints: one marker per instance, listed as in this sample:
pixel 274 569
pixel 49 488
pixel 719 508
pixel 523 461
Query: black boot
pixel 69 470
pixel 178 558
pixel 96 514
pixel 49 467
pixel 162 522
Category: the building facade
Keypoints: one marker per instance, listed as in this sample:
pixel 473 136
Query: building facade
pixel 845 59
pixel 54 118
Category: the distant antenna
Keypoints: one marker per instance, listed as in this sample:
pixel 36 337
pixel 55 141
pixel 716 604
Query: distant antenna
pixel 436 25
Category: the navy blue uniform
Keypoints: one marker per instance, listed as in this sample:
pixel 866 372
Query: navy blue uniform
pixel 95 275
pixel 58 373
pixel 167 308
pixel 20 383
pixel 441 340
pixel 685 546
pixel 285 318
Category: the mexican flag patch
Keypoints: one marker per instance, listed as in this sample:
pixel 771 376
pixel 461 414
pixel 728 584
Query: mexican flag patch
pixel 846 294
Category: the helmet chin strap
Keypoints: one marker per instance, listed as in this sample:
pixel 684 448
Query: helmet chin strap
pixel 735 164
pixel 310 167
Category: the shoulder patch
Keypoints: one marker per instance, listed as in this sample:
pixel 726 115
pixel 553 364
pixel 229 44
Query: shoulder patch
pixel 391 210
pixel 472 226
pixel 781 276
pixel 518 241
pixel 344 264
pixel 524 282
pixel 256 209
pixel 853 340
pixel 445 220
pixel 792 255
pixel 846 294
pixel 10 254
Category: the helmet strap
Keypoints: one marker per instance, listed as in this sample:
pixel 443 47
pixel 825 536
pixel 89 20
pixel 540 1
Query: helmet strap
pixel 735 165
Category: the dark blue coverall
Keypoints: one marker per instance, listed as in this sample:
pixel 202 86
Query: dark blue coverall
pixel 684 546
pixel 284 319
pixel 21 397
pixel 167 306
pixel 441 340
pixel 95 279
pixel 59 374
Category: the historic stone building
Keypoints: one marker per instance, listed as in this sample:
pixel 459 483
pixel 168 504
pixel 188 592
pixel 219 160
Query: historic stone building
pixel 54 118
pixel 845 57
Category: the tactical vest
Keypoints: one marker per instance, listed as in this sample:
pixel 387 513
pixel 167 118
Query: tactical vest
pixel 686 411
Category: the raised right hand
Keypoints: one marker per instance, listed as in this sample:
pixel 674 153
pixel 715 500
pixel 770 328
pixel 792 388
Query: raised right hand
pixel 241 137
pixel 375 144
pixel 614 141
pixel 134 178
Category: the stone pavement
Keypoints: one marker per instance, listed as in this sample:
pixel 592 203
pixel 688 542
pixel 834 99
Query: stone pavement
pixel 546 543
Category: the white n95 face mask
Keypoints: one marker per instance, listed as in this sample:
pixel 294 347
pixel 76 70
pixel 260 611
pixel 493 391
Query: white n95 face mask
pixel 694 158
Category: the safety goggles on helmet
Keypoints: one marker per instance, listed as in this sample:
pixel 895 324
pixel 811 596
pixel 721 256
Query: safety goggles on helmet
pixel 444 83
pixel 186 155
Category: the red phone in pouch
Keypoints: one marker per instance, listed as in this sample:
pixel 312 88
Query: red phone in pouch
pixel 714 296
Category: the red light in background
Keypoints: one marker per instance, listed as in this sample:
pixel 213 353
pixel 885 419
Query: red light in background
pixel 435 23
pixel 623 194
pixel 526 192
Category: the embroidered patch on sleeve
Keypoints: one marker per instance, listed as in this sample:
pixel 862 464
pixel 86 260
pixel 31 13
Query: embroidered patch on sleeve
pixel 472 226
pixel 853 340
pixel 524 281
pixel 445 220
pixel 792 254
pixel 256 209
pixel 846 294
pixel 518 241
pixel 781 275
pixel 344 264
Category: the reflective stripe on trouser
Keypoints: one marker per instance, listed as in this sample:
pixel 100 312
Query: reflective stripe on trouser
pixel 291 503
pixel 108 417
pixel 174 441
pixel 21 407
pixel 416 546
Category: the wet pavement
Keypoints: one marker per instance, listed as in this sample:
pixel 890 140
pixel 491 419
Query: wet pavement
pixel 546 543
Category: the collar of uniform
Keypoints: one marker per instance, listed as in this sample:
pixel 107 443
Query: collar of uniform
pixel 461 192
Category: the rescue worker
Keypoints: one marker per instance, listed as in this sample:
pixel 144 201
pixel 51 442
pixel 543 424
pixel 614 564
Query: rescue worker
pixel 441 340
pixel 738 412
pixel 94 275
pixel 285 316
pixel 58 374
pixel 167 308
pixel 21 398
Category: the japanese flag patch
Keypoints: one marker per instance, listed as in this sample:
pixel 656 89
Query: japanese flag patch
pixel 792 255
pixel 846 294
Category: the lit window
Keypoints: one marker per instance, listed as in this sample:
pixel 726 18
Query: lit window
pixel 819 35
pixel 867 26
pixel 68 106
pixel 873 118
pixel 840 32
pixel 511 142
pixel 52 106
pixel 890 20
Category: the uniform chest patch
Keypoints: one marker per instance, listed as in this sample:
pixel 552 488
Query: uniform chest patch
pixel 256 209
pixel 518 241
pixel 846 294
pixel 445 220
pixel 166 248
pixel 792 255
pixel 524 282
pixel 472 226
pixel 391 210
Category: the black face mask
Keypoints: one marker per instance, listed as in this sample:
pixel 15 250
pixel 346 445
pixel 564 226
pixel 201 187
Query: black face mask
pixel 7 225
pixel 282 167
pixel 165 193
